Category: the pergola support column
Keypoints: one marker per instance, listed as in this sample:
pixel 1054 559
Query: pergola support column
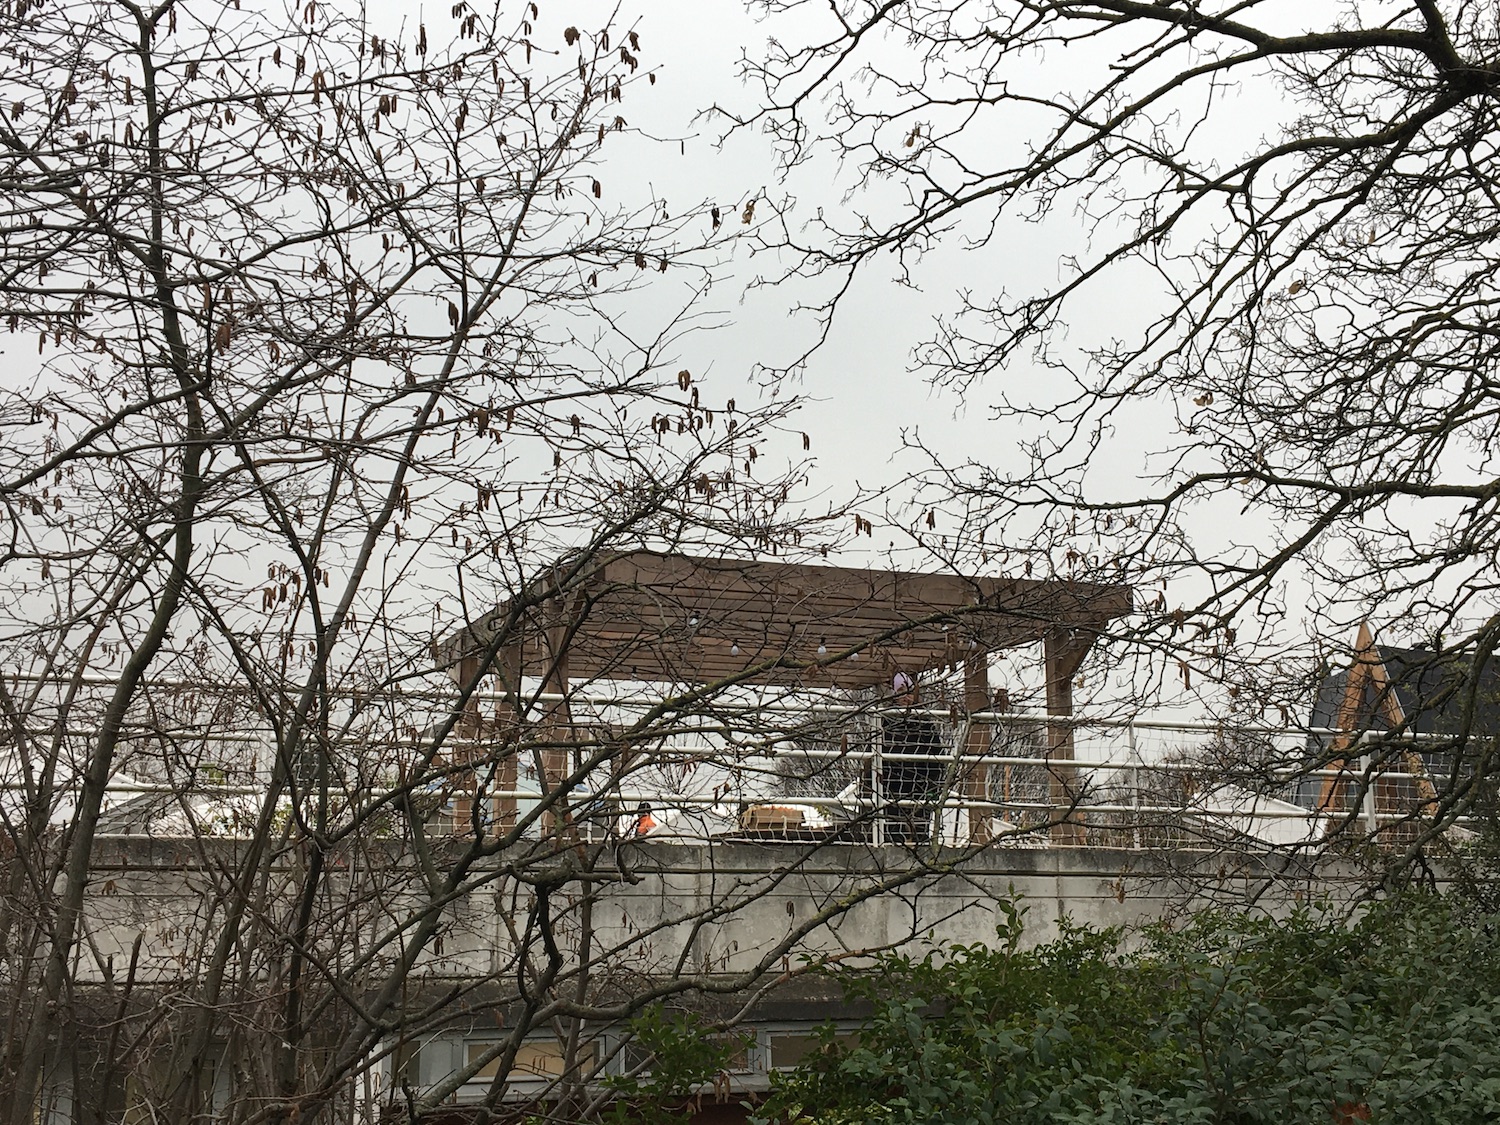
pixel 557 727
pixel 975 776
pixel 507 736
pixel 1063 653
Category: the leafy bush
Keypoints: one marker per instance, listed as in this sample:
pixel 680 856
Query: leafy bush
pixel 675 1055
pixel 1232 1019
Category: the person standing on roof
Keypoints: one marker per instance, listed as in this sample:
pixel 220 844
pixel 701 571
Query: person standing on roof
pixel 645 823
pixel 912 784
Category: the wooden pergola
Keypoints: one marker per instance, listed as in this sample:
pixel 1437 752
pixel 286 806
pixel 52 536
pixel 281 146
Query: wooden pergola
pixel 671 619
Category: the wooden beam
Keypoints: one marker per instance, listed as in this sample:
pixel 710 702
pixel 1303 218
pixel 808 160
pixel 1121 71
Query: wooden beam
pixel 1063 653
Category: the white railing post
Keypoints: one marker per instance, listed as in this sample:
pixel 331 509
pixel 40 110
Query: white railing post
pixel 1367 779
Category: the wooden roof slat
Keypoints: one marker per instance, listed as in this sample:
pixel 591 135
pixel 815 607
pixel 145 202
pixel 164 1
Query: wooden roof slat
pixel 636 623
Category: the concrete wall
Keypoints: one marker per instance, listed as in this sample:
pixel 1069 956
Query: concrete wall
pixel 731 920
pixel 654 908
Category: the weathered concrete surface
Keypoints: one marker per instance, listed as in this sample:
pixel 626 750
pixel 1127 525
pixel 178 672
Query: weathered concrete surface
pixel 719 927
pixel 900 904
pixel 719 908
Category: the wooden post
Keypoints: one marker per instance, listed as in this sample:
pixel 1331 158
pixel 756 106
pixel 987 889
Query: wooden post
pixel 507 735
pixel 1063 651
pixel 467 732
pixel 976 774
pixel 557 722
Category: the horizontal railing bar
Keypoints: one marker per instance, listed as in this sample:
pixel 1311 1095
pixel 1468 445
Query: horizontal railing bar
pixel 782 704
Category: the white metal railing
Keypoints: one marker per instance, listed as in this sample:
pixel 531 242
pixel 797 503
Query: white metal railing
pixel 1129 781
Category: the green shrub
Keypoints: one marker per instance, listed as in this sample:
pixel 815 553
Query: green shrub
pixel 1232 1019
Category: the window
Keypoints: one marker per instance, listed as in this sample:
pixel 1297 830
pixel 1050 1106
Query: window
pixel 741 1050
pixel 535 1059
pixel 788 1048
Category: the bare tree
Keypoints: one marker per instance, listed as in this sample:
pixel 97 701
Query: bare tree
pixel 343 492
pixel 1276 272
pixel 333 336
